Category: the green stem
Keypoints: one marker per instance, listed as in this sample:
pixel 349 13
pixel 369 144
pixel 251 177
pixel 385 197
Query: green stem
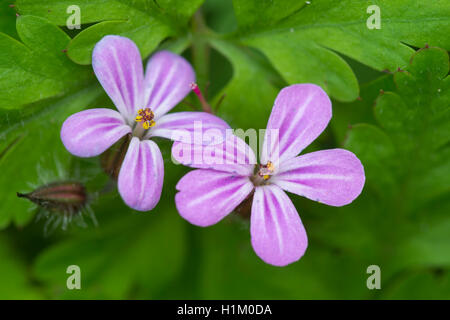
pixel 200 49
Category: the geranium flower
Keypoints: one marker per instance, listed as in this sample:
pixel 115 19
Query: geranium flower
pixel 228 176
pixel 143 102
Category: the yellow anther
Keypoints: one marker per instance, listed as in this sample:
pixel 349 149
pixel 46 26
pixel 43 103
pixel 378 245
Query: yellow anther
pixel 148 124
pixel 146 117
pixel 265 171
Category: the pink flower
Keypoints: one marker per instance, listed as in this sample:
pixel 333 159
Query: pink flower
pixel 334 177
pixel 143 102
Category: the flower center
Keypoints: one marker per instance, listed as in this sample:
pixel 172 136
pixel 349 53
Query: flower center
pixel 265 171
pixel 146 117
pixel 262 173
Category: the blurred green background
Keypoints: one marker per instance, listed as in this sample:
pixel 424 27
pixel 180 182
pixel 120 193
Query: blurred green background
pixel 391 107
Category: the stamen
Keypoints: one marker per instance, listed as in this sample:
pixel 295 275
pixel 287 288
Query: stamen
pixel 148 124
pixel 146 117
pixel 205 106
pixel 196 90
pixel 265 171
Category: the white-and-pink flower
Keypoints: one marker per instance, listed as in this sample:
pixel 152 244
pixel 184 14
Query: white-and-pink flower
pixel 334 177
pixel 142 101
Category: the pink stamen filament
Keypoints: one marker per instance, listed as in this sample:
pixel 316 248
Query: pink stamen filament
pixel 205 106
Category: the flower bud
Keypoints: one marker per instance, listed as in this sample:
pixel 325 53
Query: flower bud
pixel 65 197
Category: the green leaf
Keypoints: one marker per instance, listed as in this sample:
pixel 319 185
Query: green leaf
pixel 361 110
pixel 146 22
pixel 247 277
pixel 15 281
pixel 8 21
pixel 323 67
pixel 37 68
pixel 130 252
pixel 300 38
pixel 29 152
pixel 251 14
pixel 417 117
pixel 428 247
pixel 420 285
pixel 377 153
pixel 220 16
pixel 392 112
pixel 412 157
pixel 417 120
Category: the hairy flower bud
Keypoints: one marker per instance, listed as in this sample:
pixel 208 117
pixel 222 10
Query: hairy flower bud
pixel 61 203
pixel 66 197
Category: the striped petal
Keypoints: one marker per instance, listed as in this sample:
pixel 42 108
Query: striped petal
pixel 334 177
pixel 141 175
pixel 167 81
pixel 278 235
pixel 195 127
pixel 300 113
pixel 118 66
pixel 90 132
pixel 233 155
pixel 206 196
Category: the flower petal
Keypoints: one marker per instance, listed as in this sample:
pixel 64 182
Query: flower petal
pixel 167 81
pixel 334 177
pixel 300 113
pixel 141 175
pixel 206 196
pixel 191 126
pixel 90 132
pixel 118 66
pixel 278 235
pixel 233 155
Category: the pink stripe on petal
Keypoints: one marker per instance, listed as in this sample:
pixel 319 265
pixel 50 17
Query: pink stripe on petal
pixel 90 132
pixel 141 175
pixel 233 155
pixel 118 66
pixel 195 125
pixel 167 81
pixel 278 235
pixel 334 177
pixel 300 113
pixel 206 196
